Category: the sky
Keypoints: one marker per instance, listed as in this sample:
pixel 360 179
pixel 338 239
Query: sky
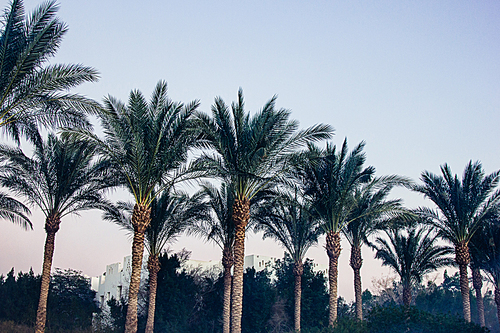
pixel 418 81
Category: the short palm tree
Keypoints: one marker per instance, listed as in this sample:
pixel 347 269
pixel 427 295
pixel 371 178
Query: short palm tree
pixel 171 214
pixel 250 152
pixel 371 211
pixel 463 206
pixel 289 222
pixel 218 227
pixel 32 94
pixel 412 253
pixel 147 146
pixel 60 179
pixel 330 180
pixel 478 245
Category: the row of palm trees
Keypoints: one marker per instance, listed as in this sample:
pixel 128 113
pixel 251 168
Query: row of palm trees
pixel 273 177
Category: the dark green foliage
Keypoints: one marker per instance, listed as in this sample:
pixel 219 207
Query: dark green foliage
pixel 70 306
pixel 19 297
pixel 314 293
pixel 259 296
pixel 71 302
pixel 403 319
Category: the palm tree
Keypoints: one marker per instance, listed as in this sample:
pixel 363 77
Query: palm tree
pixel 249 153
pixel 60 179
pixel 171 214
pixel 289 222
pixel 486 247
pixel 32 94
pixel 371 211
pixel 463 205
pixel 147 145
pixel 219 228
pixel 478 245
pixel 330 180
pixel 412 253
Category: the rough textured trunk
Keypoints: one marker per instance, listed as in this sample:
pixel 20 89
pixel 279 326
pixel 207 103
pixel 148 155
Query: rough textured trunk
pixel 356 262
pixel 497 301
pixel 333 249
pixel 407 294
pixel 141 217
pixel 51 227
pixel 298 271
pixel 477 282
pixel 227 262
pixel 241 215
pixel 153 269
pixel 463 259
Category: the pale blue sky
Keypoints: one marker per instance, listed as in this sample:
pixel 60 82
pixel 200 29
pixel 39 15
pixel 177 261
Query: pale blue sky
pixel 418 81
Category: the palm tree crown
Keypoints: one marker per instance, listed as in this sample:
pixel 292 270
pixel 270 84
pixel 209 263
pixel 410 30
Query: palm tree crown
pixel 411 253
pixel 32 94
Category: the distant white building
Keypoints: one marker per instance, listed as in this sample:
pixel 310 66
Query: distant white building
pixel 114 282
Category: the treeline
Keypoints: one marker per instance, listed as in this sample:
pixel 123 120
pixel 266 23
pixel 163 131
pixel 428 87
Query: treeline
pixel 192 302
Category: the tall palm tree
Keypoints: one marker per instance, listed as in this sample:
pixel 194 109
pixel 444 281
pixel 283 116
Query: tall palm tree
pixel 219 228
pixel 249 153
pixel 463 205
pixel 412 253
pixel 371 211
pixel 171 214
pixel 60 179
pixel 147 145
pixel 32 94
pixel 330 180
pixel 289 222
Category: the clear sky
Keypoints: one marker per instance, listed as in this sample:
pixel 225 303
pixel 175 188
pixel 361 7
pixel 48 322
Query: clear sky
pixel 418 81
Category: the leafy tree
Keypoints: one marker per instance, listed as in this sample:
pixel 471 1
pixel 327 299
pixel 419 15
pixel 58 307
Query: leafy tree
pixel 61 178
pixel 71 301
pixel 463 206
pixel 314 312
pixel 32 93
pixel 146 145
pixel 250 152
pixel 411 253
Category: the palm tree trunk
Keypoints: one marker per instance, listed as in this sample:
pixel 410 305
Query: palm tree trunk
pixel 333 249
pixel 407 297
pixel 298 270
pixel 227 262
pixel 153 269
pixel 477 282
pixel 497 301
pixel 51 227
pixel 141 217
pixel 463 259
pixel 241 215
pixel 356 262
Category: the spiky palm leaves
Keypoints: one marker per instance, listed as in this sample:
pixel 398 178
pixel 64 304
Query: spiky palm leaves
pixel 463 205
pixel 15 211
pixel 250 152
pixel 289 222
pixel 60 179
pixel 171 214
pixel 147 145
pixel 370 212
pixel 32 94
pixel 330 179
pixel 411 253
